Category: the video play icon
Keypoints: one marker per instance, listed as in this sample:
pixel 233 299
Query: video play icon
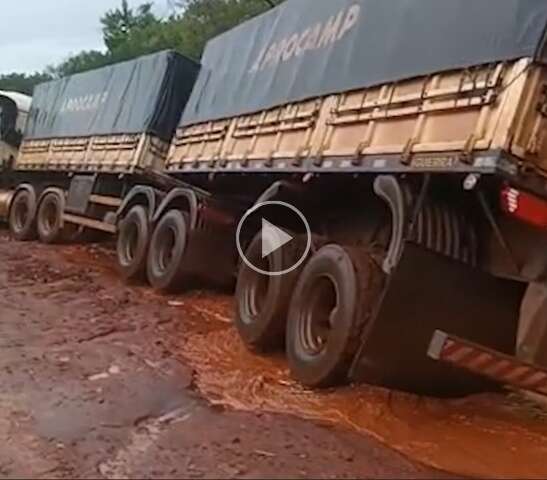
pixel 265 219
pixel 273 238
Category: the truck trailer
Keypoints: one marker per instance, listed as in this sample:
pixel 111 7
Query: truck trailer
pixel 412 137
pixel 89 138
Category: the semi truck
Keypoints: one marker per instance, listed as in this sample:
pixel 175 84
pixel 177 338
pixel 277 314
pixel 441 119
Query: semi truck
pixel 89 138
pixel 14 108
pixel 410 135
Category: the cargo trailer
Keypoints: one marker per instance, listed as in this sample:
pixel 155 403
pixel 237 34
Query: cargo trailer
pixel 89 139
pixel 412 135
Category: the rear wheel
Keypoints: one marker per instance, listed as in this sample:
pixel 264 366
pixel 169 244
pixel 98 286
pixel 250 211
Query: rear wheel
pixel 165 266
pixel 333 300
pixel 132 244
pixel 22 221
pixel 262 300
pixel 49 219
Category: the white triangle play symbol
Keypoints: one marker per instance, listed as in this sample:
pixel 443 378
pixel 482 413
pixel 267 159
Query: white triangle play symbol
pixel 272 238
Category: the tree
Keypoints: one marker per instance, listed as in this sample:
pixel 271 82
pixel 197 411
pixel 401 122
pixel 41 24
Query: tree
pixel 131 32
pixel 23 83
pixel 121 23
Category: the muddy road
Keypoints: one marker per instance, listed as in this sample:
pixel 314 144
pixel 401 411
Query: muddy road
pixel 101 379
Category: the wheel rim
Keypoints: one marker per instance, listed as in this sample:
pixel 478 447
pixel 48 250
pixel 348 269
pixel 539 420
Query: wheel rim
pixel 131 241
pixel 166 250
pixel 256 290
pixel 317 316
pixel 21 214
pixel 49 215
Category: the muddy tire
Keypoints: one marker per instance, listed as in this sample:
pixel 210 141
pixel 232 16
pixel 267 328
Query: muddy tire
pixel 333 300
pixel 132 244
pixel 263 301
pixel 49 219
pixel 165 266
pixel 22 221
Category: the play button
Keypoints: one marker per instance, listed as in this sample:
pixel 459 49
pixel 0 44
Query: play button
pixel 280 226
pixel 273 238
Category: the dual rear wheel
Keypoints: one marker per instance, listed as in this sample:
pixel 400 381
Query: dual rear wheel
pixel 155 254
pixel 29 220
pixel 319 311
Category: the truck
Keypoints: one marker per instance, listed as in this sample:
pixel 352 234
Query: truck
pixel 89 138
pixel 14 108
pixel 410 135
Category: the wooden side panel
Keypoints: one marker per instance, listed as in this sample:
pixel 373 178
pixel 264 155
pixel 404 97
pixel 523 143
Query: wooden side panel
pixel 529 134
pixel 486 107
pixel 116 154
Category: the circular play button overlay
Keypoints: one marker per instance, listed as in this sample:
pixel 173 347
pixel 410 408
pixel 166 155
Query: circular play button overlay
pixel 267 218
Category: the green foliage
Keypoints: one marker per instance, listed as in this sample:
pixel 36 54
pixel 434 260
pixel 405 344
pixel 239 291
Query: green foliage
pixel 23 83
pixel 131 32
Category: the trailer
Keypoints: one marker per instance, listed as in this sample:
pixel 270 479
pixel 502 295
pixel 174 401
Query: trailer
pixel 89 138
pixel 411 137
pixel 423 177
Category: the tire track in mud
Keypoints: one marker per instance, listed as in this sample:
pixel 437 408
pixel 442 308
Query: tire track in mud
pixel 483 436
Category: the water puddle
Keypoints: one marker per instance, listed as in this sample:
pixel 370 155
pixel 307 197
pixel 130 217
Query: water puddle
pixel 482 436
pixel 485 436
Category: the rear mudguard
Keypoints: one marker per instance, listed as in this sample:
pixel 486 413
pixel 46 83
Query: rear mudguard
pixel 426 292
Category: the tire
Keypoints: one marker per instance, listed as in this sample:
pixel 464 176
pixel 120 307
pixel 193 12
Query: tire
pixel 49 219
pixel 165 266
pixel 333 300
pixel 263 301
pixel 132 244
pixel 22 221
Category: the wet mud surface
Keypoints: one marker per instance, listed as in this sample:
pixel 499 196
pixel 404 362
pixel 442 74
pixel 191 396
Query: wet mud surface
pixel 101 378
pixel 95 385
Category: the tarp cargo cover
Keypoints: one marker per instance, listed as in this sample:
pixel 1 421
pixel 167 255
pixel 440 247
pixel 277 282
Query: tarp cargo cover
pixel 146 95
pixel 309 48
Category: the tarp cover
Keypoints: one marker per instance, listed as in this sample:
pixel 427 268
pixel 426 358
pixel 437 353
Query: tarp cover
pixel 146 95
pixel 308 48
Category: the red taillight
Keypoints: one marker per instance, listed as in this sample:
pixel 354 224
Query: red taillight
pixel 524 206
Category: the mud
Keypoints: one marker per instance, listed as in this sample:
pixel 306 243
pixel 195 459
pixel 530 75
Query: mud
pixel 94 385
pixel 484 436
pixel 489 435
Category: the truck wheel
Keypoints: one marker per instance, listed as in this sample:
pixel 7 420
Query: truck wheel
pixel 165 267
pixel 263 301
pixel 49 219
pixel 132 244
pixel 333 300
pixel 22 221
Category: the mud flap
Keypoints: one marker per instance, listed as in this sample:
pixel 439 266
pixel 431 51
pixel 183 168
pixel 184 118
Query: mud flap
pixel 427 292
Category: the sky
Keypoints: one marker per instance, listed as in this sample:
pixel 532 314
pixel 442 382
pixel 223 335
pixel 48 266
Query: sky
pixel 38 33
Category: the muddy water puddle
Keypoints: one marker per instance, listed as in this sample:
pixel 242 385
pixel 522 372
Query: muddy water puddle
pixel 482 436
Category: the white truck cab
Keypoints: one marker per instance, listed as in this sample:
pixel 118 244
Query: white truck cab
pixel 14 109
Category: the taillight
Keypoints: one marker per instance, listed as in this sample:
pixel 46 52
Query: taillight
pixel 524 206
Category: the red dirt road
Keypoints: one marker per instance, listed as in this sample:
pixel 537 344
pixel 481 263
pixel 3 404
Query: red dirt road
pixel 92 387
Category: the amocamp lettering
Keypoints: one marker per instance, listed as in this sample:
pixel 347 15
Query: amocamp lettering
pixel 84 103
pixel 312 38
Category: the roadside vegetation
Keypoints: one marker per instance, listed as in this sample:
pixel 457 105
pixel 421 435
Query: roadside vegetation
pixel 131 32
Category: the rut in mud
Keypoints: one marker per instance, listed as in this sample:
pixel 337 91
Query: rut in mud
pixel 488 435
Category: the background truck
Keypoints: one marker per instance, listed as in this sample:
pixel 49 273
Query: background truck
pixel 14 108
pixel 412 137
pixel 91 137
